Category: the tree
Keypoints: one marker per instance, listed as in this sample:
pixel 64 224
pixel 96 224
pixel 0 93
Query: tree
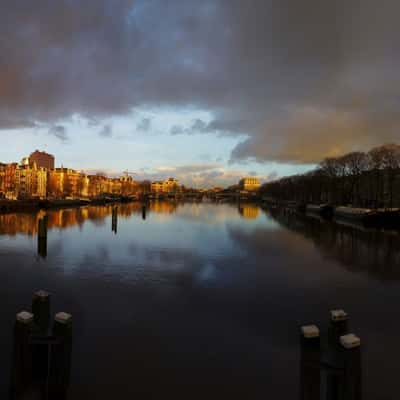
pixel 391 164
pixel 354 164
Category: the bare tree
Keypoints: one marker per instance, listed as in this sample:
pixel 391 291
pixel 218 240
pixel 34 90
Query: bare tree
pixel 357 178
pixel 354 165
pixel 391 164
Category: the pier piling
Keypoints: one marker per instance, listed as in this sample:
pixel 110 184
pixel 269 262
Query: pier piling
pixel 60 361
pixel 22 359
pixel 42 236
pixel 351 354
pixel 114 220
pixel 310 354
pixel 338 326
pixel 41 309
pixel 40 348
pixel 41 359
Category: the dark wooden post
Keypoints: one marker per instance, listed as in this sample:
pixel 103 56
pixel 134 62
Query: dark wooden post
pixel 144 209
pixel 114 220
pixel 310 356
pixel 351 354
pixel 42 236
pixel 338 327
pixel 60 359
pixel 41 310
pixel 40 348
pixel 21 378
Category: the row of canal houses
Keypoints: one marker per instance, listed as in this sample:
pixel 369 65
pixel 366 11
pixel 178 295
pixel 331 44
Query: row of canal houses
pixel 27 180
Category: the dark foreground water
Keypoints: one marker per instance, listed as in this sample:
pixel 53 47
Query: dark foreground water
pixel 201 300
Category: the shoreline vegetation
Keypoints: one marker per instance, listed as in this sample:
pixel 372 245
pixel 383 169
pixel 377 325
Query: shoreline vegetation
pixel 358 187
pixel 359 180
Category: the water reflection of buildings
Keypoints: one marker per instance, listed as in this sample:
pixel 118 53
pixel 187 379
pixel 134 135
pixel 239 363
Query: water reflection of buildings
pixel 27 223
pixel 377 252
pixel 249 211
pixel 163 207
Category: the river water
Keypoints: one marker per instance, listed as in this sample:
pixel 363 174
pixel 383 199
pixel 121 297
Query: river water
pixel 201 300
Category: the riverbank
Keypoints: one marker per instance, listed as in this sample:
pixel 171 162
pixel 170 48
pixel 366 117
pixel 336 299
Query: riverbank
pixel 380 218
pixel 32 205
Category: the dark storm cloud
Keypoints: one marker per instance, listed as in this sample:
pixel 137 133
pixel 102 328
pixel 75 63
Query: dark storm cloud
pixel 303 79
pixel 106 131
pixel 144 125
pixel 59 131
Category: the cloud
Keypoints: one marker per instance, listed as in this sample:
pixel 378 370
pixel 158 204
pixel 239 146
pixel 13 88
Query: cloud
pixel 59 131
pixel 191 175
pixel 106 131
pixel 198 126
pixel 302 79
pixel 176 130
pixel 197 175
pixel 112 173
pixel 144 125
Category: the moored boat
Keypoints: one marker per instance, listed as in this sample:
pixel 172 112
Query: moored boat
pixel 323 210
pixel 379 218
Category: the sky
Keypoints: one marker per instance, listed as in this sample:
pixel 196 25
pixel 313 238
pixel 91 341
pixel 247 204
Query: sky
pixel 206 91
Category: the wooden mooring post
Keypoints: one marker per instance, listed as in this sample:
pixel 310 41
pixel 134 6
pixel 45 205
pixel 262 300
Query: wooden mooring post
pixel 331 369
pixel 42 236
pixel 40 348
pixel 310 355
pixel 21 374
pixel 114 220
pixel 42 354
pixel 60 358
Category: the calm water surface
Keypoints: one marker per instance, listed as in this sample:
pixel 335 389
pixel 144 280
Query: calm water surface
pixel 201 300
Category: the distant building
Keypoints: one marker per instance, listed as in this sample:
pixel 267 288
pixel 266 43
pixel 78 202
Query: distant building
pixel 2 180
pixel 42 159
pixel 65 182
pixel 99 185
pixel 170 185
pixel 84 186
pixel 157 187
pixel 30 182
pixel 55 183
pixel 9 181
pixel 115 186
pixel 249 183
pixel 128 185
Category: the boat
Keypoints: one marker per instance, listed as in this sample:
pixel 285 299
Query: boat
pixel 323 210
pixel 377 218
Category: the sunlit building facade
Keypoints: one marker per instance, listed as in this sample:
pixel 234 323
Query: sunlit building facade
pixel 170 185
pixel 249 184
pixel 55 185
pixel 157 187
pixel 66 183
pixel 9 181
pixel 84 186
pixel 98 185
pixel 30 182
pixel 42 159
pixel 2 180
pixel 129 186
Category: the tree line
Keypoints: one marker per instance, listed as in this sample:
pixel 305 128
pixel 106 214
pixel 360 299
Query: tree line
pixel 360 179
